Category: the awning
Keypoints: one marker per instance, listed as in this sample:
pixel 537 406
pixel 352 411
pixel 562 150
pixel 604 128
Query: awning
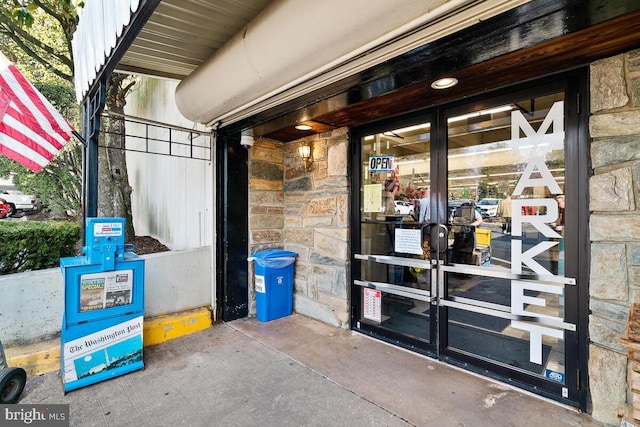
pixel 159 38
pixel 101 24
pixel 293 47
pixel 250 55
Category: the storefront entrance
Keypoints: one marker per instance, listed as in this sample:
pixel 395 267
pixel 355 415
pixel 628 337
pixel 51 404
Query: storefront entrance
pixel 468 242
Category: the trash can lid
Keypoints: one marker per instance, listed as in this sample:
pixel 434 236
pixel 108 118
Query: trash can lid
pixel 272 253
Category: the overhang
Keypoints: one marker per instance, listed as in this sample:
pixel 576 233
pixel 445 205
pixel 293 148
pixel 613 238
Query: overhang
pixel 244 52
pixel 269 65
pixel 160 38
pixel 293 47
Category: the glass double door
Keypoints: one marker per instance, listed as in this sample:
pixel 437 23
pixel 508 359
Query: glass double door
pixel 462 251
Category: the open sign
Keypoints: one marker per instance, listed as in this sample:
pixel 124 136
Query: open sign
pixel 381 163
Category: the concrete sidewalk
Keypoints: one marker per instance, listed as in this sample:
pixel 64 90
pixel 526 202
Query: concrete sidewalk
pixel 295 371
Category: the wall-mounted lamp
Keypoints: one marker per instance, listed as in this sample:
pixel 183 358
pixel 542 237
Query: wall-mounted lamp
pixel 305 153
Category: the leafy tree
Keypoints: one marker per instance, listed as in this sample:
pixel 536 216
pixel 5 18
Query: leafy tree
pixel 38 33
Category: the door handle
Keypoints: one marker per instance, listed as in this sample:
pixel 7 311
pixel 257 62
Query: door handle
pixel 443 235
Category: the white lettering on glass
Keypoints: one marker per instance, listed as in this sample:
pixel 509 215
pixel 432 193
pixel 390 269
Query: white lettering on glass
pixel 519 299
pixel 538 165
pixel 540 222
pixel 539 213
pixel 518 258
pixel 535 338
pixel 555 116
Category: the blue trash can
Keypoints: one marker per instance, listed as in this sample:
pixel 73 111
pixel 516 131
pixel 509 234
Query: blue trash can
pixel 274 283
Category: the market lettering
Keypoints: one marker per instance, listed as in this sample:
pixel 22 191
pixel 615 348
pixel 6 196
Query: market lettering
pixel 520 258
pixel 554 117
pixel 535 337
pixel 535 175
pixel 540 222
pixel 537 165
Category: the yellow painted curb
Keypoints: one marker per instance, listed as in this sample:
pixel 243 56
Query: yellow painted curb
pixel 163 328
pixel 35 358
pixel 44 356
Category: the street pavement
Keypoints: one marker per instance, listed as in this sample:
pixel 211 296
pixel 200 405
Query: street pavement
pixel 295 371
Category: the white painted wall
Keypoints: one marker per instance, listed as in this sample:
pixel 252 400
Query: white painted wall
pixel 32 303
pixel 172 197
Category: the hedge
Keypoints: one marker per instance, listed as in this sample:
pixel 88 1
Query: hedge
pixel 35 245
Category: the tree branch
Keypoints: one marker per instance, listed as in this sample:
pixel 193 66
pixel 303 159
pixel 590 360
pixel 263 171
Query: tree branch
pixel 34 55
pixel 67 29
pixel 132 83
pixel 14 31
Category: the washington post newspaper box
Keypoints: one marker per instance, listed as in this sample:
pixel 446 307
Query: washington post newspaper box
pixel 103 307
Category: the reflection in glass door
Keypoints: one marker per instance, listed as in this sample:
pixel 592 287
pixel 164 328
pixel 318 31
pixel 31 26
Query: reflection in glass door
pixel 460 238
pixel 504 281
pixel 395 284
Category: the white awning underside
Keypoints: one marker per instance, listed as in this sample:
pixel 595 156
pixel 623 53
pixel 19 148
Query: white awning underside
pixel 245 56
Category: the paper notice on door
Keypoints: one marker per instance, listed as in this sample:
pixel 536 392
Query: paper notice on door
pixel 408 241
pixel 372 198
pixel 372 304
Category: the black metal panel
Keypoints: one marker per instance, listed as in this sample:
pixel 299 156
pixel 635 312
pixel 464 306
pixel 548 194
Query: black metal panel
pixel 355 152
pixel 524 27
pixel 232 222
pixel 579 170
pixel 92 109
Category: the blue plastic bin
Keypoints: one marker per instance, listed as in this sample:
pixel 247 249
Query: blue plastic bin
pixel 274 283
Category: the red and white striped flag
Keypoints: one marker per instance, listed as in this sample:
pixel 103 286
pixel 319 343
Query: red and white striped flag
pixel 32 131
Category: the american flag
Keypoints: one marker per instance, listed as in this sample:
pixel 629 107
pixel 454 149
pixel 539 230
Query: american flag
pixel 32 131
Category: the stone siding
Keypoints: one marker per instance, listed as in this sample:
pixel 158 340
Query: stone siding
pixel 614 230
pixel 305 210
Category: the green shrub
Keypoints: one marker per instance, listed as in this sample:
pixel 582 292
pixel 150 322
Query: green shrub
pixel 35 245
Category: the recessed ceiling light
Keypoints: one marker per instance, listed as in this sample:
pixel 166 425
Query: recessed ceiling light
pixel 303 127
pixel 444 83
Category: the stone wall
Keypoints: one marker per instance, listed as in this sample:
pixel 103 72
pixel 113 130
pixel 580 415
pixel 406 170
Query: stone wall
pixel 614 192
pixel 305 210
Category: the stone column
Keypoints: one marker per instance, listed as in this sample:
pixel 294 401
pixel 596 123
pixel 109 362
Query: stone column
pixel 614 230
pixel 631 340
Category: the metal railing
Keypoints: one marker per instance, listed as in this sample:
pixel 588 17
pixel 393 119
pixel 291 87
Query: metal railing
pixel 152 137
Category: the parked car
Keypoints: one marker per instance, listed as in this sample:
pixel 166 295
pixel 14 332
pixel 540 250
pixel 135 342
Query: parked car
pixel 402 207
pixel 4 208
pixel 454 204
pixel 19 202
pixel 490 206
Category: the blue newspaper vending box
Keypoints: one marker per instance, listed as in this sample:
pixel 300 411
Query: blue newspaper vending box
pixel 103 307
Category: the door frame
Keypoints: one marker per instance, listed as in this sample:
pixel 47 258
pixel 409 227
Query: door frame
pixel 232 227
pixel 577 168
